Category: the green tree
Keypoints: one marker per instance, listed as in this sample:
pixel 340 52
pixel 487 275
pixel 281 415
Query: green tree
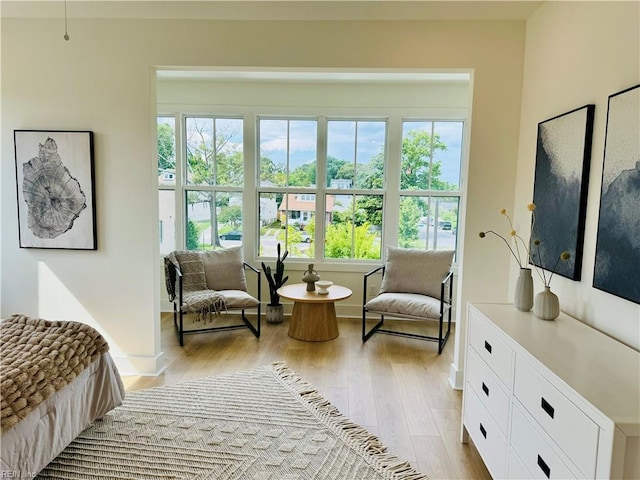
pixel 418 169
pixel 231 214
pixel 166 148
pixel 408 222
pixel 193 237
pixel 339 242
pixel 304 175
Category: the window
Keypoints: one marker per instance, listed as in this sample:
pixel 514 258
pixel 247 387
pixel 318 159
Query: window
pixel 430 184
pixel 325 188
pixel 355 162
pixel 214 167
pixel 288 177
pixel 167 183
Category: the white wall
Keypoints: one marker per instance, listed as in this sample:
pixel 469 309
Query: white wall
pixel 101 80
pixel 576 54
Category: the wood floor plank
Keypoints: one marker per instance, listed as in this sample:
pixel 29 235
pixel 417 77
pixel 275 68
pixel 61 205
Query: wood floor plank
pixel 397 388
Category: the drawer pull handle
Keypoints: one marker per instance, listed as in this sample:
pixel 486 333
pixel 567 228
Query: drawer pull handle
pixel 485 389
pixel 483 431
pixel 487 346
pixel 546 406
pixel 544 467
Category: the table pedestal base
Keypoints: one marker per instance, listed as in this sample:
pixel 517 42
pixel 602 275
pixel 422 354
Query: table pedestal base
pixel 313 322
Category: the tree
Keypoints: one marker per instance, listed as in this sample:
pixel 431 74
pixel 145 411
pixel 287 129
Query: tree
pixel 408 222
pixel 304 175
pixel 418 170
pixel 231 214
pixel 339 242
pixel 166 148
pixel 193 237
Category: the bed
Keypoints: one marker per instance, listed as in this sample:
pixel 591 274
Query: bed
pixel 56 378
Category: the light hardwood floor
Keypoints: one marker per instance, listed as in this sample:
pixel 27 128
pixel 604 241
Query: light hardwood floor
pixel 395 387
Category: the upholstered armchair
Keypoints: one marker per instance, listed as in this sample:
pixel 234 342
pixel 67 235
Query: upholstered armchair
pixel 415 285
pixel 207 284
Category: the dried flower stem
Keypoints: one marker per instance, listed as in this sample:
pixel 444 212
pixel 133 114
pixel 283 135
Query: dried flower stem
pixel 507 244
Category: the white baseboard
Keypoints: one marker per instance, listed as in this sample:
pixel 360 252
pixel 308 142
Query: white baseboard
pixel 140 365
pixel 456 378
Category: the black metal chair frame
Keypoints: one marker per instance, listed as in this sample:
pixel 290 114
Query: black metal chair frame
pixel 178 322
pixel 446 295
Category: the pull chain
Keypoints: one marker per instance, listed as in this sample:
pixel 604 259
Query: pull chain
pixel 66 35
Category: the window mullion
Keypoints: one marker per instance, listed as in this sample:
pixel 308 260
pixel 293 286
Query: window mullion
pixel 391 213
pixel 321 185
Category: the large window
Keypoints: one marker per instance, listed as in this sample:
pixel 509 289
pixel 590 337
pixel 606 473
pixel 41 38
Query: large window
pixel 327 188
pixel 430 184
pixel 288 152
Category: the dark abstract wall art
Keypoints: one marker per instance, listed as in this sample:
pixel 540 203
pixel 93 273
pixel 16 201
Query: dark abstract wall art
pixel 55 186
pixel 617 265
pixel 563 158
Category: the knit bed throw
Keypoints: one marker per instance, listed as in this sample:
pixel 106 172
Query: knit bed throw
pixel 40 357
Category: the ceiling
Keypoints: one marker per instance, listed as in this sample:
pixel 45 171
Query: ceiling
pixel 297 10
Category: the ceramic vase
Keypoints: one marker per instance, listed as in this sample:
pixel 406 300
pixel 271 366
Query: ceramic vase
pixel 310 277
pixel 523 299
pixel 275 313
pixel 546 305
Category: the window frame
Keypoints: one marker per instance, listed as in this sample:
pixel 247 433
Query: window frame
pixel 252 189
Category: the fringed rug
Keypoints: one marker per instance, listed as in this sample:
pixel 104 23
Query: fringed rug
pixel 261 424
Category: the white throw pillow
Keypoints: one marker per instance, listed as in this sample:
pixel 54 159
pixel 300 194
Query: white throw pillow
pixel 415 271
pixel 223 269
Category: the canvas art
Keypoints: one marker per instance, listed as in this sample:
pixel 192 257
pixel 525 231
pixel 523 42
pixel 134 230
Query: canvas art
pixel 55 186
pixel 617 265
pixel 563 157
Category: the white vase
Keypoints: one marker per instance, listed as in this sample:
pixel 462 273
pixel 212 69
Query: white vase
pixel 546 305
pixel 523 299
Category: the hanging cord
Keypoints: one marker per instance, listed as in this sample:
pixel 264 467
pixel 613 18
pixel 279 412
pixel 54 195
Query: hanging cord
pixel 66 35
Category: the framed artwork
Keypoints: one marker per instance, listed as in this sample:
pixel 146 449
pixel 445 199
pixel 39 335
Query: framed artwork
pixel 55 185
pixel 617 265
pixel 563 157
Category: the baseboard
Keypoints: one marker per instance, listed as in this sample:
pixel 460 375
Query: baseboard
pixel 140 365
pixel 456 378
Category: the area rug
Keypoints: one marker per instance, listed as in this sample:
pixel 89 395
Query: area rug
pixel 261 424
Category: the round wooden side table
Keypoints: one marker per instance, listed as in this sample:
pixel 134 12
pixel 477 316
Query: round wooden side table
pixel 314 315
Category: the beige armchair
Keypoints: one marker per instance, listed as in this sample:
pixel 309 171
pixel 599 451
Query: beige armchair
pixel 416 285
pixel 208 284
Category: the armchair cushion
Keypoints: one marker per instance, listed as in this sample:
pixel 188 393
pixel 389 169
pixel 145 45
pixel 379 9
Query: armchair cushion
pixel 405 304
pixel 224 270
pixel 238 299
pixel 415 271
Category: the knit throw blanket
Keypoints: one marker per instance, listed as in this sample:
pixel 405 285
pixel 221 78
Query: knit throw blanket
pixel 196 297
pixel 261 424
pixel 40 357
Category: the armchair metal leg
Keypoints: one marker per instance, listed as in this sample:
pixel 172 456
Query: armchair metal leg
pixel 254 330
pixel 367 335
pixel 175 323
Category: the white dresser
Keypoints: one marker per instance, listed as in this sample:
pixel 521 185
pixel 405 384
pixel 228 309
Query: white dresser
pixel 549 399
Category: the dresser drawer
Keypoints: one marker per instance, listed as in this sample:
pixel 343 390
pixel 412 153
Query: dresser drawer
pixel 536 454
pixel 485 434
pixel 515 469
pixel 488 389
pixel 574 432
pixel 490 348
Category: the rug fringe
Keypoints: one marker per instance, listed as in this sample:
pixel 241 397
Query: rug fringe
pixel 356 436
